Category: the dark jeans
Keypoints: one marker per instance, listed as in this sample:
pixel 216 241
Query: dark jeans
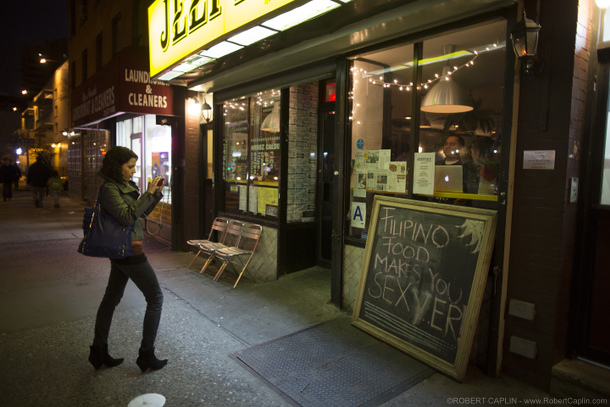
pixel 38 194
pixel 144 277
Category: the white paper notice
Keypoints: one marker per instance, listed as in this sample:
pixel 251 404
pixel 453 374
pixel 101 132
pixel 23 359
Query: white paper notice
pixel 397 176
pixel 423 173
pixel 360 184
pixel 358 214
pixel 254 200
pixel 243 198
pixel 384 158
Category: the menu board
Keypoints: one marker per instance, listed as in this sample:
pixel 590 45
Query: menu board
pixel 423 278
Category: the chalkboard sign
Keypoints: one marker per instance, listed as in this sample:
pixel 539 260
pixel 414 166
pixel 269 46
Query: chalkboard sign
pixel 423 278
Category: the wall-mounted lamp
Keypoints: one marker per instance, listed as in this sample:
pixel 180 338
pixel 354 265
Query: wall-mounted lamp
pixel 525 42
pixel 206 111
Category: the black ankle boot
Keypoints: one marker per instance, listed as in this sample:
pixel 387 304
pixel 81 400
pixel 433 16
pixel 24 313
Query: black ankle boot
pixel 147 360
pixel 99 356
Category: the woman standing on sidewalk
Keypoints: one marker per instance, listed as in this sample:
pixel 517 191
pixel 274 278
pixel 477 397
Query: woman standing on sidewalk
pixel 120 198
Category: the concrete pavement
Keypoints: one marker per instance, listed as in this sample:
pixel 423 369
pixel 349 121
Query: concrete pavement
pixel 49 295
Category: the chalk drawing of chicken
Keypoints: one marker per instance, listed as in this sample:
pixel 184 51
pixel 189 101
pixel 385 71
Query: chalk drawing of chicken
pixel 474 229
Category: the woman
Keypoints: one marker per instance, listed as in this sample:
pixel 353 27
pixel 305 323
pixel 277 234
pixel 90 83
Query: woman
pixel 120 197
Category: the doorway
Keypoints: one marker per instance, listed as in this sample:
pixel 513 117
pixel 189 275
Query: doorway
pixel 326 169
pixel 593 342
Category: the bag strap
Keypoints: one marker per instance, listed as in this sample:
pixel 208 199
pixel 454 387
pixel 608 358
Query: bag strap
pixel 99 195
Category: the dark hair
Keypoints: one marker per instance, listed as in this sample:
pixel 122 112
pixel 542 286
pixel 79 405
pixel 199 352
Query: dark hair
pixel 113 160
pixel 483 146
pixel 459 138
pixel 54 173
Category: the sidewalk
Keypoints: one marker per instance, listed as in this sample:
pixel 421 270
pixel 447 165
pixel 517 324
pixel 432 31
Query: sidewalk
pixel 49 297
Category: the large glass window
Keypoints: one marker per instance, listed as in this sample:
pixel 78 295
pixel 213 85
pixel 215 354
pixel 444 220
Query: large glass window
pixel 152 144
pixel 436 105
pixel 251 154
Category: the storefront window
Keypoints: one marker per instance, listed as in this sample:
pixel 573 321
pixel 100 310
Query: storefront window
pixel 454 150
pixel 152 144
pixel 251 154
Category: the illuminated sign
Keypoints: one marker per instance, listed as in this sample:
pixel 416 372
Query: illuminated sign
pixel 178 28
pixel 122 86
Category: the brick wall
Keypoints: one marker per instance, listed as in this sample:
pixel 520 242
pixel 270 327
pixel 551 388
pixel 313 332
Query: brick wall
pixel 192 184
pixel 551 114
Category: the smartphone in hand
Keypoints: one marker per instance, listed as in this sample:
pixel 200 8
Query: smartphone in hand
pixel 160 183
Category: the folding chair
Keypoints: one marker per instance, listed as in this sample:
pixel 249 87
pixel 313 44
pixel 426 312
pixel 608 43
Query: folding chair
pixel 229 240
pixel 242 252
pixel 220 226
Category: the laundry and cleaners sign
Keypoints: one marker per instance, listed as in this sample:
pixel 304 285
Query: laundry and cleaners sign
pixel 423 278
pixel 122 86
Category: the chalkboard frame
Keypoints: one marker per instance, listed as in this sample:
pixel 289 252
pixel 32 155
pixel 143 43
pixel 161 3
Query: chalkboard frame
pixel 457 369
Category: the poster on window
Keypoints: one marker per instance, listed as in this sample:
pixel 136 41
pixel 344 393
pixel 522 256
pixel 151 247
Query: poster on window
pixel 160 165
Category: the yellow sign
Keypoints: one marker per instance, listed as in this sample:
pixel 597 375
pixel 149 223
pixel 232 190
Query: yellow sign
pixel 179 28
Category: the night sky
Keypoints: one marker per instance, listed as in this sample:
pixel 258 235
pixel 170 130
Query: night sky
pixel 27 22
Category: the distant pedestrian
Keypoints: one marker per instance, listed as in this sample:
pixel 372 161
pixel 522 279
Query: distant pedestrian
pixel 38 175
pixel 7 177
pixel 121 199
pixel 55 186
pixel 18 176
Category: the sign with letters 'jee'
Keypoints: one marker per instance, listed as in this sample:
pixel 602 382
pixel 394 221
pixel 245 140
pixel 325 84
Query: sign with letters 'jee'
pixel 178 29
pixel 423 278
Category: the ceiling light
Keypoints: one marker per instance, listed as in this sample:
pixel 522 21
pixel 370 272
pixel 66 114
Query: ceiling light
pixel 221 49
pixel 300 14
pixel 192 63
pixel 252 35
pixel 168 76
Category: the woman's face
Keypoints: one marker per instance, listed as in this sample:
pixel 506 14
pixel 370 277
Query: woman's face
pixel 128 169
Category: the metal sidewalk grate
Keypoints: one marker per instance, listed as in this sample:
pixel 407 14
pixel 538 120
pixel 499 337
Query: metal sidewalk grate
pixel 333 364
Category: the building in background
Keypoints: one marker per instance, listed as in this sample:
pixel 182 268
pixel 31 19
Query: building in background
pixel 44 123
pixel 115 102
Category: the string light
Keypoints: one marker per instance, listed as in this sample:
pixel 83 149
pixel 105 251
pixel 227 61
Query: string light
pixel 407 87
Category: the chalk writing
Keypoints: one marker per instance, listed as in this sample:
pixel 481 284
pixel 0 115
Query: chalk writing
pixel 420 276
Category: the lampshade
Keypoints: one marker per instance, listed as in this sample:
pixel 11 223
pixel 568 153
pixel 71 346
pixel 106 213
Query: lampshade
pixel 447 96
pixel 272 121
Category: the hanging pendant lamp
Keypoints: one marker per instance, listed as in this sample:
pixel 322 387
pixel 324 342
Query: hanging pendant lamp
pixel 272 121
pixel 447 96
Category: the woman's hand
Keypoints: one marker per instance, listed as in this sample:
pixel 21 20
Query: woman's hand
pixel 155 185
